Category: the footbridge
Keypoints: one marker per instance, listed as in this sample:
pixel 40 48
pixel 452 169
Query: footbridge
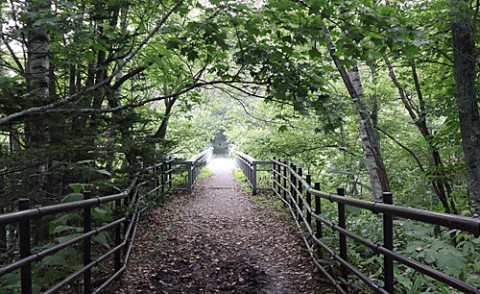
pixel 323 216
pixel 328 223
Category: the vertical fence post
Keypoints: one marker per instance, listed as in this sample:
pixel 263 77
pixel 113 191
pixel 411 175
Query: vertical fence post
pixel 285 180
pixel 87 245
pixel 157 181
pixel 190 177
pixel 118 237
pixel 24 232
pixel 279 178
pixel 254 177
pixel 274 175
pixel 318 223
pixel 293 197
pixel 388 243
pixel 342 238
pixel 170 174
pixel 309 200
pixel 3 238
pixel 162 177
pixel 300 195
pixel 318 211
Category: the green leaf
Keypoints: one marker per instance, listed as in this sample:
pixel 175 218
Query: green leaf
pixel 353 210
pixel 72 197
pixel 56 259
pixel 103 172
pixel 102 214
pixel 101 238
pixel 77 187
pixel 451 261
pixel 61 229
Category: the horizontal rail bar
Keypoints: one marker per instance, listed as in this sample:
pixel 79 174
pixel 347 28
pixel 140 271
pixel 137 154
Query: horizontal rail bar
pixel 435 274
pixel 13 217
pixel 42 254
pixel 78 273
pixel 468 224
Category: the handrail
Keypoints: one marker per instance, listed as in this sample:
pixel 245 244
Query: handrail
pixel 249 167
pixel 193 167
pixel 297 194
pixel 463 223
pixel 206 153
pixel 41 211
pixel 161 175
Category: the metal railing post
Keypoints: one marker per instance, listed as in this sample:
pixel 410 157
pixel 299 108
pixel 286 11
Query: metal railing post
pixel 24 232
pixel 87 245
pixel 389 276
pixel 318 223
pixel 162 177
pixel 190 168
pixel 342 238
pixel 292 189
pixel 157 181
pixel 118 238
pixel 254 178
pixel 300 190
pixel 170 174
pixel 3 238
pixel 279 178
pixel 309 201
pixel 274 175
pixel 285 180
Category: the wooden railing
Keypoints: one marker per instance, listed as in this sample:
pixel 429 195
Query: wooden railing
pixel 304 200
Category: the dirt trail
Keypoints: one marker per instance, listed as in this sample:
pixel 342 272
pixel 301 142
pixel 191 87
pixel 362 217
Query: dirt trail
pixel 217 241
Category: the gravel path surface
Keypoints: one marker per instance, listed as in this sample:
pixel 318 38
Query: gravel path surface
pixel 217 241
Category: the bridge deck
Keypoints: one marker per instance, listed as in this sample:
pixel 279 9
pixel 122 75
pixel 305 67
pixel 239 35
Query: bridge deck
pixel 219 240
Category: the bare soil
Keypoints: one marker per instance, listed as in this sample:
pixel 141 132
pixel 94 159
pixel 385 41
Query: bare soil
pixel 218 241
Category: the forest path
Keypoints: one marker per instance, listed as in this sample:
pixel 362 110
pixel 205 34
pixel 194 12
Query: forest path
pixel 218 241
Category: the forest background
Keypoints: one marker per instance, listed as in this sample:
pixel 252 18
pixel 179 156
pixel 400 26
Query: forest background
pixel 371 95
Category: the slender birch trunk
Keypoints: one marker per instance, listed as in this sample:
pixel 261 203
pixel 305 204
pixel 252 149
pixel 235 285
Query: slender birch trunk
pixel 38 83
pixel 370 143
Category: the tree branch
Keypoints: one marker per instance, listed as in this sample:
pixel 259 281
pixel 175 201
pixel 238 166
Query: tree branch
pixel 403 147
pixel 106 81
pixel 128 76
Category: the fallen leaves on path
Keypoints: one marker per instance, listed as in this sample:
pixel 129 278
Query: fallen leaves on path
pixel 216 241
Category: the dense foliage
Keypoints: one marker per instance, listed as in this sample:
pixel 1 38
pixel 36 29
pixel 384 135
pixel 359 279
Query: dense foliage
pixel 372 95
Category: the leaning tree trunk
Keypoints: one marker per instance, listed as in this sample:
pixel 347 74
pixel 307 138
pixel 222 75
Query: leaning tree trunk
pixel 161 133
pixel 463 33
pixel 370 141
pixel 370 144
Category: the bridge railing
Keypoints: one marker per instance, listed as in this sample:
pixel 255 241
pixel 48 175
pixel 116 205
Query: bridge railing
pixel 257 172
pixel 127 209
pixel 193 167
pixel 304 200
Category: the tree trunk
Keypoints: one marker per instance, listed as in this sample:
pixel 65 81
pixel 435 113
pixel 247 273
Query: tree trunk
pixel 440 182
pixel 162 130
pixel 371 146
pixel 38 83
pixel 463 33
